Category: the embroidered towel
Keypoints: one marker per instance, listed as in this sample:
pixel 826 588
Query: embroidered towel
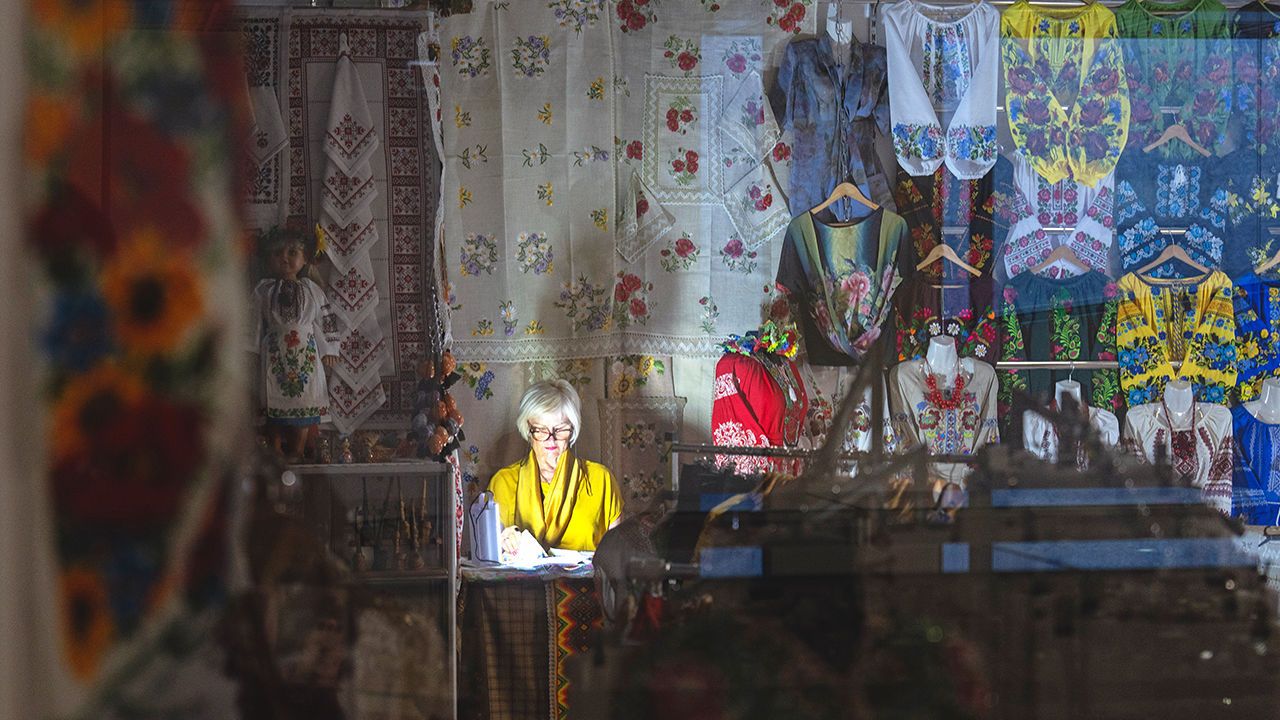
pixel 943 60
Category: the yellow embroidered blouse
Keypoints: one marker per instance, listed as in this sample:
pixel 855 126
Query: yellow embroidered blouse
pixel 1160 321
pixel 1065 89
pixel 571 512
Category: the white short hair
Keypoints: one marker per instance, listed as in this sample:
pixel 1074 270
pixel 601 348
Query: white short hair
pixel 550 397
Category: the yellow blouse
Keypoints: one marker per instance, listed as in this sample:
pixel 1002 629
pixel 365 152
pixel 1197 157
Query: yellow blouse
pixel 1065 89
pixel 1160 322
pixel 571 512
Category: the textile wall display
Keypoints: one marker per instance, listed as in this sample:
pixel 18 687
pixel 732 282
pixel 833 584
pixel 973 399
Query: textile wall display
pixel 604 221
pixel 266 183
pixel 383 47
pixel 134 123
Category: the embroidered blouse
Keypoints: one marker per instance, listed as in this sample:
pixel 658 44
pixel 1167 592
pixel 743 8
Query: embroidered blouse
pixel 1255 494
pixel 831 109
pixel 1257 312
pixel 1253 193
pixel 1181 61
pixel 961 430
pixel 1200 454
pixel 1071 318
pixel 1035 216
pixel 842 277
pixel 943 61
pixel 1154 195
pixel 1040 437
pixel 941 298
pixel 1161 322
pixel 756 402
pixel 1065 89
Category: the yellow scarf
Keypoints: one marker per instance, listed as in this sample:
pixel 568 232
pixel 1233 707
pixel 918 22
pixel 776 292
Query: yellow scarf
pixel 548 517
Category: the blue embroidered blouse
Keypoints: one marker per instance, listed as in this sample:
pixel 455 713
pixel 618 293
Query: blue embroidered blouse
pixel 1255 496
pixel 832 108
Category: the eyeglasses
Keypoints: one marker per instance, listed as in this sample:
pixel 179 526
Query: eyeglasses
pixel 541 434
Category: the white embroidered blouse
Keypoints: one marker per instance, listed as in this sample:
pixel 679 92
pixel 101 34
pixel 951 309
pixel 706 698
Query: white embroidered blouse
pixel 961 430
pixel 1200 453
pixel 943 71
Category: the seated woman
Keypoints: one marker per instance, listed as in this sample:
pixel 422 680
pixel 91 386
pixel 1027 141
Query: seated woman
pixel 564 501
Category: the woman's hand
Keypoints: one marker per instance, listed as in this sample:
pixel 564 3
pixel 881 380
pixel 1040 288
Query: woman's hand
pixel 329 361
pixel 509 542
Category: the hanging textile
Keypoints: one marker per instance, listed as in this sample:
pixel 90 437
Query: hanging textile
pixel 347 193
pixel 1040 437
pixel 1178 54
pixel 1256 304
pixel 943 69
pixel 1036 217
pixel 939 420
pixel 1071 318
pixel 1255 492
pixel 842 278
pixel 1200 454
pixel 383 45
pixel 1065 89
pixel 831 110
pixel 266 181
pixel 1253 169
pixel 1158 322
pixel 1154 196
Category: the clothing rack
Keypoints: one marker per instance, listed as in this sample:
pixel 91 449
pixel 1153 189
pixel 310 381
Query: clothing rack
pixel 1065 364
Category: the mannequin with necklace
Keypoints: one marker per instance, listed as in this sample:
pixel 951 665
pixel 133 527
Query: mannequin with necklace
pixel 947 404
pixel 1040 437
pixel 1196 438
pixel 1256 429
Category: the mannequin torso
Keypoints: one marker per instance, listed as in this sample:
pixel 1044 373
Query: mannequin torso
pixel 1267 407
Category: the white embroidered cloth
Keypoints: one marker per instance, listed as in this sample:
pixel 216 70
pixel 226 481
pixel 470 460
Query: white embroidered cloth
pixel 350 138
pixel 347 192
pixel 1033 207
pixel 1204 460
pixel 944 67
pixel 267 135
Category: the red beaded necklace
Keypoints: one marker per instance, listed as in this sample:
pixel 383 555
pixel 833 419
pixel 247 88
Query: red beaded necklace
pixel 935 396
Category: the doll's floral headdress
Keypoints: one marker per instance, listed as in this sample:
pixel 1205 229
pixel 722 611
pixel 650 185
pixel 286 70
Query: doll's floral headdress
pixel 768 340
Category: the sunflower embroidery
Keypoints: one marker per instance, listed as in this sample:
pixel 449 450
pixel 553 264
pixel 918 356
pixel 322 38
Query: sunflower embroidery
pixel 154 294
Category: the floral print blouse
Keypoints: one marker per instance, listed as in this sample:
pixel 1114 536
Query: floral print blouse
pixel 1179 60
pixel 830 109
pixel 1257 311
pixel 1159 322
pixel 1066 94
pixel 942 299
pixel 842 277
pixel 1070 318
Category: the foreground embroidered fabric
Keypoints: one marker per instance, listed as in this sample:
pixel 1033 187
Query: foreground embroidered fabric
pixel 948 424
pixel 1161 322
pixel 1200 453
pixel 842 277
pixel 943 70
pixel 1065 89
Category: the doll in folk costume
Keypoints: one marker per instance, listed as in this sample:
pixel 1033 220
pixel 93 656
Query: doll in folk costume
pixel 295 341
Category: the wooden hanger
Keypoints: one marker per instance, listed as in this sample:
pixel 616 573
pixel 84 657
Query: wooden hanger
pixel 943 251
pixel 1172 252
pixel 1177 132
pixel 845 190
pixel 1062 252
